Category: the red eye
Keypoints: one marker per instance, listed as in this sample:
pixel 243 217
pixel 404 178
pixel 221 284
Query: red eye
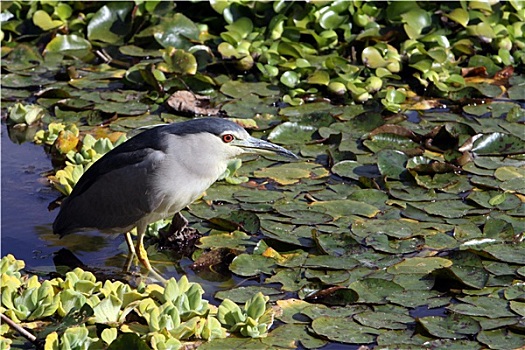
pixel 228 138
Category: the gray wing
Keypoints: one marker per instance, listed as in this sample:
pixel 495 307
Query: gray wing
pixel 116 191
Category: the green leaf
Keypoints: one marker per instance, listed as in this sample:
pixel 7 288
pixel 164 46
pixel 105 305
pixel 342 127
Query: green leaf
pixel 392 164
pixel 177 32
pixel 490 307
pixel 290 79
pixel 453 326
pixel 460 16
pixel 498 144
pixel 69 44
pixel 43 20
pixel 501 339
pixel 251 265
pixel 108 310
pixel 111 24
pixel 128 341
pixel 419 265
pixel 343 330
pixel 373 290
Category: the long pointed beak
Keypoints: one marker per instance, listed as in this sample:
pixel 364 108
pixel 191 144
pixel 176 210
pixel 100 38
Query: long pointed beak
pixel 254 145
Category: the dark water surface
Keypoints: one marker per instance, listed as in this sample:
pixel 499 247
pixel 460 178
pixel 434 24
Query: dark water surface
pixel 26 220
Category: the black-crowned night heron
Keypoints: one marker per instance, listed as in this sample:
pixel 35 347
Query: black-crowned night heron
pixel 155 175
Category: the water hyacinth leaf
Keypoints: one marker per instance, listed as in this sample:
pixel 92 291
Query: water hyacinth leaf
pixel 319 77
pixel 290 79
pixel 483 61
pixel 71 44
pixel 459 15
pixel 419 265
pixel 108 310
pixel 343 330
pixel 372 58
pixel 44 21
pixel 110 24
pixel 178 61
pixel 176 32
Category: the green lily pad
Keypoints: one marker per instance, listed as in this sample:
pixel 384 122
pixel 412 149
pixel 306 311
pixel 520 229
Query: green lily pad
pixel 511 253
pixel 383 320
pixel 372 290
pixel 392 164
pixel 291 133
pixel 498 144
pixel 291 173
pixel 239 220
pixel 343 330
pixel 467 267
pixel 233 240
pixel 344 207
pixel 251 265
pixel 419 265
pixel 501 339
pixel 241 295
pixel 290 336
pixel 452 326
pixel 482 306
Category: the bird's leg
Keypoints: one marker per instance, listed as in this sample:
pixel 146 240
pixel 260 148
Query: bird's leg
pixel 131 251
pixel 142 255
pixel 131 247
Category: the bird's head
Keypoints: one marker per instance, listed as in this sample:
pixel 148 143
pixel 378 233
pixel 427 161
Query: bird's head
pixel 229 138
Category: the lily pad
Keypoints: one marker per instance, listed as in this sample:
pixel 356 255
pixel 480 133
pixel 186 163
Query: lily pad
pixel 343 330
pixel 419 265
pixel 452 326
pixel 291 173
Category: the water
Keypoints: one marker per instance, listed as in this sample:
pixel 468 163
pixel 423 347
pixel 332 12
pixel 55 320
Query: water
pixel 26 229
